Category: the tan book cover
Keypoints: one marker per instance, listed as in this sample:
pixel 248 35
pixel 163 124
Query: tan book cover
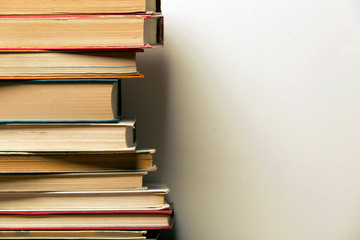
pixel 152 197
pixel 61 32
pixel 84 161
pixel 21 7
pixel 65 137
pixel 68 64
pixel 71 100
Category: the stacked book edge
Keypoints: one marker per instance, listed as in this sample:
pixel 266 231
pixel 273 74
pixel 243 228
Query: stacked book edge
pixel 69 163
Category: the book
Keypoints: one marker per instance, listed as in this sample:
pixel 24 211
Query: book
pixel 66 137
pixel 72 100
pixel 22 7
pixel 55 162
pixel 151 198
pixel 71 181
pixel 68 64
pixel 90 234
pixel 80 31
pixel 86 220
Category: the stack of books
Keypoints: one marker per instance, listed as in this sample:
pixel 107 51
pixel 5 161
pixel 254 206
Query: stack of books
pixel 69 164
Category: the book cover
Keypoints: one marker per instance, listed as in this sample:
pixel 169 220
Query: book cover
pixel 60 100
pixel 151 198
pixel 67 137
pixel 72 64
pixel 64 32
pixel 21 7
pixel 86 220
pixel 73 162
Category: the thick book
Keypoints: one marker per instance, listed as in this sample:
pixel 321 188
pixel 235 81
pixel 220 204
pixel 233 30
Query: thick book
pixel 78 235
pixel 151 198
pixel 68 162
pixel 72 100
pixel 78 7
pixel 11 182
pixel 43 137
pixel 86 220
pixel 68 64
pixel 31 32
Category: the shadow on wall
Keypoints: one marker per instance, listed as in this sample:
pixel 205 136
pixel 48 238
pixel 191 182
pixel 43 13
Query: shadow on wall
pixel 147 99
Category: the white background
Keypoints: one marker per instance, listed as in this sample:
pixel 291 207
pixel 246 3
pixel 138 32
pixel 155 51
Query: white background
pixel 254 109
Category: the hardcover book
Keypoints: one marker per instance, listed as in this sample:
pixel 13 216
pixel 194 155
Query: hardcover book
pixel 21 7
pixel 31 32
pixel 151 198
pixel 70 64
pixel 72 100
pixel 86 220
pixel 30 182
pixel 44 137
pixel 55 162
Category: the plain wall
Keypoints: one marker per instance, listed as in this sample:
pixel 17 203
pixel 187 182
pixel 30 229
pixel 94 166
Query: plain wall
pixel 254 109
